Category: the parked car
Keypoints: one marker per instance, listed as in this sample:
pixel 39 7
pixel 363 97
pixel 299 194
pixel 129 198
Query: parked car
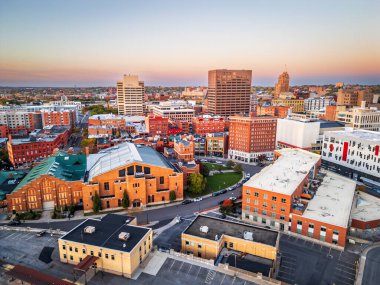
pixel 230 189
pixel 217 193
pixel 198 199
pixel 14 223
pixel 223 191
pixel 187 201
pixel 232 198
pixel 223 216
pixel 219 162
pixel 248 175
pixel 203 160
pixel 41 233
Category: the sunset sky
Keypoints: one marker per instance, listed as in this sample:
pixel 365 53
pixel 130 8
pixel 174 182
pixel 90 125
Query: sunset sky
pixel 175 43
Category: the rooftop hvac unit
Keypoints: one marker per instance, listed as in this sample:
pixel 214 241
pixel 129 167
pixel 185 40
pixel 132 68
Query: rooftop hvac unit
pixel 248 235
pixel 204 229
pixel 124 236
pixel 89 230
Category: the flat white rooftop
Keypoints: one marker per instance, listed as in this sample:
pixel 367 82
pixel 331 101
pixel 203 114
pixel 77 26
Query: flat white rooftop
pixel 357 134
pixel 366 208
pixel 333 201
pixel 286 173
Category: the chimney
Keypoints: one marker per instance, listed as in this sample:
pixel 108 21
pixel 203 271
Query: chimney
pixel 363 105
pixel 87 150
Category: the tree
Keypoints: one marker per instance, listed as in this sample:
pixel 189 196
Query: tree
pixel 197 183
pixel 238 168
pixel 227 206
pixel 97 204
pixel 205 171
pixel 172 196
pixel 125 200
pixel 230 164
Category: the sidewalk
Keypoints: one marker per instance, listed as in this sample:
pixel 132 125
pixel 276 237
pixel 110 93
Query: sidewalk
pixel 363 257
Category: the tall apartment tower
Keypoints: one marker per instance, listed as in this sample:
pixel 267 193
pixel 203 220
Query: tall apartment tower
pixel 282 84
pixel 229 91
pixel 130 95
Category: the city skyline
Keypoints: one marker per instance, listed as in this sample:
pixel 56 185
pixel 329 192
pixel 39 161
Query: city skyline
pixel 171 43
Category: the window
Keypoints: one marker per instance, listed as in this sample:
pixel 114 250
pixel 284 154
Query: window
pixel 84 251
pixel 76 249
pixel 299 223
pixel 106 186
pixel 131 170
pixel 64 256
pixel 272 223
pixel 112 257
pixel 273 207
pixel 265 204
pixel 92 253
pixel 248 200
pixel 106 255
pixel 99 254
pixel 247 208
pixel 71 257
pixel 311 226
pixel 147 170
pixel 282 217
pixel 71 248
pixel 256 194
pixel 263 221
pixel 265 196
pixel 122 173
pixel 323 229
pixel 231 244
pixel 274 198
pixel 248 192
pixel 162 180
pixel 255 218
pixel 283 200
pixel 273 215
pixel 187 242
pixel 199 245
pixel 264 212
pixel 256 202
pixel 282 209
pixel 255 210
pixel 63 246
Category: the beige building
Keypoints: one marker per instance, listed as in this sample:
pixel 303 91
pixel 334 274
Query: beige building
pixel 361 118
pixel 282 84
pixel 111 244
pixel 209 238
pixel 130 95
pixel 229 91
pixel 297 105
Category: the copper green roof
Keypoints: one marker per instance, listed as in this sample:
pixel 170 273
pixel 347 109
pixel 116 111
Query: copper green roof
pixel 68 167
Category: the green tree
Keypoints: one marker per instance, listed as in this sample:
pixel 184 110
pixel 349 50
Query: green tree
pixel 230 164
pixel 238 168
pixel 172 196
pixel 97 204
pixel 125 200
pixel 205 171
pixel 197 183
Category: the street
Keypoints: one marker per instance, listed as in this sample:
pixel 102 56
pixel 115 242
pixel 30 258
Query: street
pixel 372 267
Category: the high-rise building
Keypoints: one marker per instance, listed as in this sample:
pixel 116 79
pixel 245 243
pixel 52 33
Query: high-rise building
pixel 282 84
pixel 229 91
pixel 130 95
pixel 251 137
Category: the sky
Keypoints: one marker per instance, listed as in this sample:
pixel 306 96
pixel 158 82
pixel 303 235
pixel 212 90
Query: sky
pixel 174 43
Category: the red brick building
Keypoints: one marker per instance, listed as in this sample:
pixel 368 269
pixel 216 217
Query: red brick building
pixel 39 144
pixel 3 131
pixel 274 111
pixel 156 125
pixel 207 124
pixel 58 118
pixel 293 195
pixel 250 137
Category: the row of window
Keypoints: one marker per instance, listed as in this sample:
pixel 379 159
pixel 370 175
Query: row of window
pixel 265 196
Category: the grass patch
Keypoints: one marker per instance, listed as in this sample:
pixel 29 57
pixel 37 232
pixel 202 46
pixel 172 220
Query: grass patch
pixel 216 166
pixel 218 182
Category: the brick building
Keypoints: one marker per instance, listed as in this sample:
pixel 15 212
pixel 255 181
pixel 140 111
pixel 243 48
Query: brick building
pixel 38 145
pixel 273 111
pixel 55 182
pixel 217 144
pixel 282 84
pixel 250 137
pixel 146 176
pixel 292 195
pixel 229 92
pixel 107 120
pixel 207 124
pixel 58 118
pixel 20 121
pixel 184 150
pixel 297 105
pixel 349 97
pixel 4 131
pixel 156 125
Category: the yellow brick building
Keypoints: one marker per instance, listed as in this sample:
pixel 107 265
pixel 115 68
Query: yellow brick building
pixel 112 244
pixel 207 236
pixel 297 105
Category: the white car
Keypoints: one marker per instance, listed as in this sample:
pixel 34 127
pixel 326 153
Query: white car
pixel 232 198
pixel 198 199
pixel 219 162
pixel 203 160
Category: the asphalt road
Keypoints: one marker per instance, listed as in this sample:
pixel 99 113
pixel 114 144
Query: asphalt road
pixel 372 267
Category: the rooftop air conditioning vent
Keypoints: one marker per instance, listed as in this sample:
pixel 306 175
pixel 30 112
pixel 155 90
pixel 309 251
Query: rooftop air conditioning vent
pixel 248 235
pixel 204 229
pixel 89 230
pixel 124 236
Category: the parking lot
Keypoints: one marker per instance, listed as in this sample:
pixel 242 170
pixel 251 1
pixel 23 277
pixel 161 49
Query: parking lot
pixel 25 248
pixel 305 262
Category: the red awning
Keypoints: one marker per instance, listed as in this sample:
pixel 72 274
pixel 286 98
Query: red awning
pixel 86 263
pixel 32 276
